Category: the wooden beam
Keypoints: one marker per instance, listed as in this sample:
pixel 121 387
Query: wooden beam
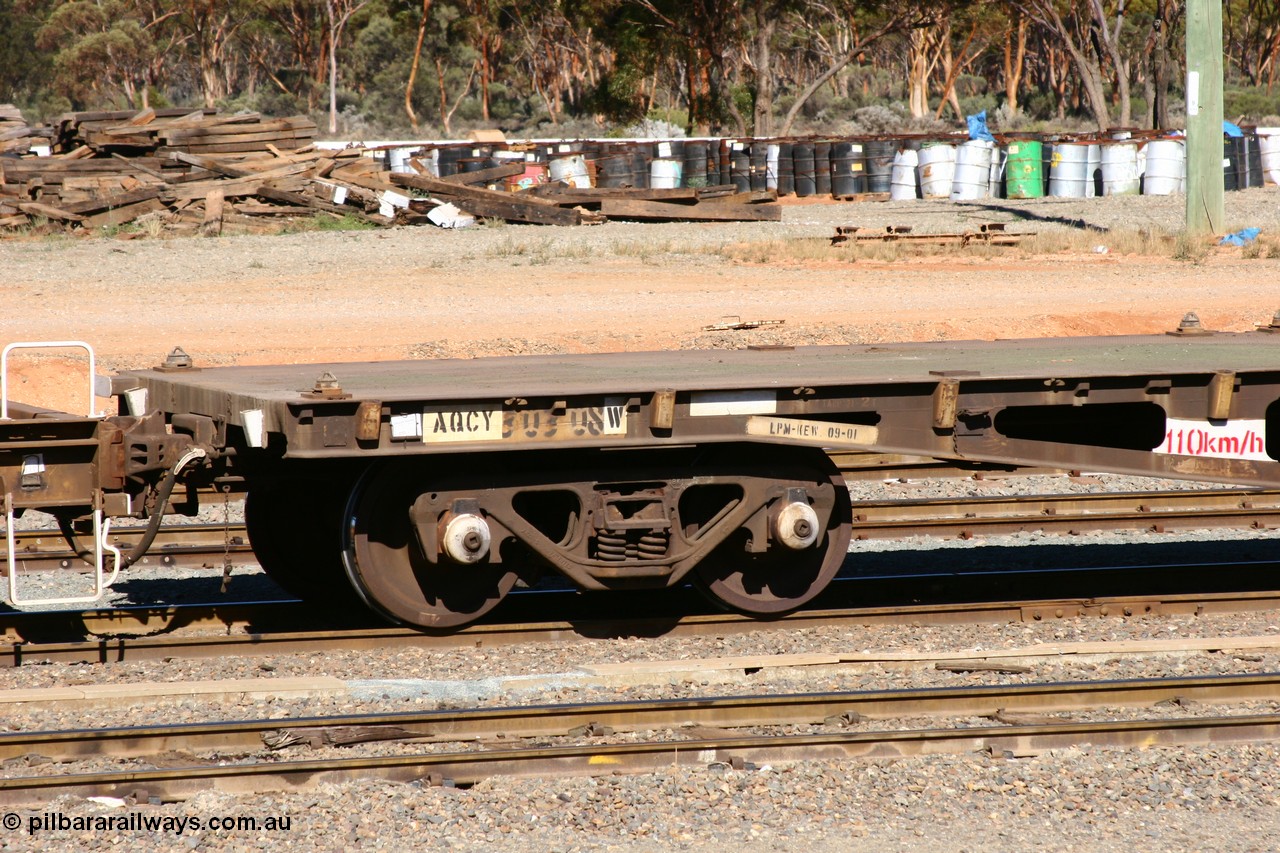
pixel 436 186
pixel 661 211
pixel 107 202
pixel 121 215
pixel 514 209
pixel 35 208
pixel 484 176
pixel 214 202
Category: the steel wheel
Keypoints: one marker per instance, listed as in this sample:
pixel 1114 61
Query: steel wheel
pixel 384 557
pixel 293 529
pixel 781 579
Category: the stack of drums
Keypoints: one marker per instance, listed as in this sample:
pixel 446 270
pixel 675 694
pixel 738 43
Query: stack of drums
pixel 848 175
pixel 1121 174
pixel 1069 175
pixel 822 168
pixel 665 173
pixel 1166 169
pixel 614 170
pixel 447 161
pixel 971 178
pixel 570 169
pixel 695 164
pixel 641 154
pixel 1024 172
pixel 1242 163
pixel 937 163
pixel 995 182
pixel 786 174
pixel 806 179
pixel 879 155
pixel 759 167
pixel 904 184
pixel 740 167
pixel 1269 149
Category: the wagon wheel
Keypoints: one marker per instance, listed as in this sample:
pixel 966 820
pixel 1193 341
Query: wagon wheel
pixel 293 530
pixel 781 579
pixel 385 562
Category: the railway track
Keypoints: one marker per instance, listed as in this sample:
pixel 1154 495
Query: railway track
pixel 462 747
pixel 209 545
pixel 251 629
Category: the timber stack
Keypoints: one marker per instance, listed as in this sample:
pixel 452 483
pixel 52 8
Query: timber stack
pixel 16 137
pixel 199 171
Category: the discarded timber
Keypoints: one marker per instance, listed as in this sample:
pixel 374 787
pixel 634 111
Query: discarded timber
pixel 113 200
pixel 862 197
pixel 656 210
pixel 120 214
pixel 35 208
pixel 485 176
pixel 514 210
pixel 514 207
pixel 562 194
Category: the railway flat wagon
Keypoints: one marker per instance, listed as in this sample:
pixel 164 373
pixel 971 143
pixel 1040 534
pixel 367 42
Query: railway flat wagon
pixel 428 489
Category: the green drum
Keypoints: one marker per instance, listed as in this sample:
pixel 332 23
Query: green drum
pixel 1024 171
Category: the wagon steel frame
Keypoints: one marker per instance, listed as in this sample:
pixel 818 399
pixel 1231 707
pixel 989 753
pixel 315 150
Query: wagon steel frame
pixel 621 440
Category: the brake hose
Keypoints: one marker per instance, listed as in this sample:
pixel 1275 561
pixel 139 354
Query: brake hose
pixel 163 491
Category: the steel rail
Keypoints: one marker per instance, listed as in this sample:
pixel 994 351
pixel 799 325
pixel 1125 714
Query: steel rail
pixel 468 765
pixel 28 633
pixel 204 545
pixel 558 720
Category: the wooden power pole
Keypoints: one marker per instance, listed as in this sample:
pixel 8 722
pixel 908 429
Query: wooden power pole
pixel 1205 210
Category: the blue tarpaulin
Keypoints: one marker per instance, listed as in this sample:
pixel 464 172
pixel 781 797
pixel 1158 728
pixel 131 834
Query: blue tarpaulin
pixel 1243 237
pixel 1231 130
pixel 978 127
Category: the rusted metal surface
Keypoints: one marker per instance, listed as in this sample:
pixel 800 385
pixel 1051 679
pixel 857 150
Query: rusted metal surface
pixel 988 233
pixel 179 545
pixel 1098 403
pixel 613 522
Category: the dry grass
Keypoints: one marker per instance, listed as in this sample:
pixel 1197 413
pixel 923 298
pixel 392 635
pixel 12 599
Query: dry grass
pixel 1136 241
pixel 1142 242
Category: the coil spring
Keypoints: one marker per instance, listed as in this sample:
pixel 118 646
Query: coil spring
pixel 624 545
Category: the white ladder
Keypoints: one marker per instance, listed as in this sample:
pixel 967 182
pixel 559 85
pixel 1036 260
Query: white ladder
pixel 101 525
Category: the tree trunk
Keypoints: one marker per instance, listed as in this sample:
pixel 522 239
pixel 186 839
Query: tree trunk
pixel 1110 41
pixel 333 69
pixel 1160 66
pixel 766 25
pixel 1088 71
pixel 1015 53
pixel 413 69
pixel 918 74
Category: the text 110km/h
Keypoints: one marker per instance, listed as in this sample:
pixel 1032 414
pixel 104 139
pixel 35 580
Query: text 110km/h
pixel 1234 439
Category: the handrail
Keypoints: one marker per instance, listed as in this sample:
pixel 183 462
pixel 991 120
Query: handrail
pixel 4 369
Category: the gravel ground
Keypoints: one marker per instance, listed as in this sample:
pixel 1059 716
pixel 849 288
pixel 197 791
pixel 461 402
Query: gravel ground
pixel 422 293
pixel 1220 797
pixel 1209 798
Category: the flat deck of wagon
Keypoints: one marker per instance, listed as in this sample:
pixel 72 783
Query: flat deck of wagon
pixel 707 370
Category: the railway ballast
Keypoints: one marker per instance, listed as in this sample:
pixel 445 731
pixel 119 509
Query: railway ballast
pixel 428 489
